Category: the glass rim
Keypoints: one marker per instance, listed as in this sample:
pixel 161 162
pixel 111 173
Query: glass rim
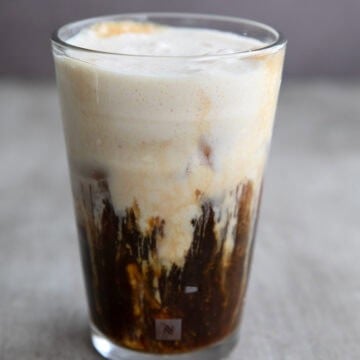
pixel 279 42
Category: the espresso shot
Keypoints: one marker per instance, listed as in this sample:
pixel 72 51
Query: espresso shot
pixel 142 304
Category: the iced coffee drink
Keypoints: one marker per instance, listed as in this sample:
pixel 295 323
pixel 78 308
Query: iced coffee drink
pixel 168 126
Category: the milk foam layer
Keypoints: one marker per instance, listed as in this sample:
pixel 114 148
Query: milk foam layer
pixel 169 133
pixel 149 39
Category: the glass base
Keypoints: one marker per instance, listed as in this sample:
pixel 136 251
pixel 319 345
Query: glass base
pixel 112 351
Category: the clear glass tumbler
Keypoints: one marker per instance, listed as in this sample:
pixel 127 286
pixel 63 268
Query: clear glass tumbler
pixel 166 157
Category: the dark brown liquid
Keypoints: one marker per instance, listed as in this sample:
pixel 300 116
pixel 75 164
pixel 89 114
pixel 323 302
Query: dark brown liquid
pixel 140 304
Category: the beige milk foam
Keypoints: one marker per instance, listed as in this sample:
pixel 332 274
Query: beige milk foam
pixel 169 132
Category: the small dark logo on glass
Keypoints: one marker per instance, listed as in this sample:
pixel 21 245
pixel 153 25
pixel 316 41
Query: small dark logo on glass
pixel 168 329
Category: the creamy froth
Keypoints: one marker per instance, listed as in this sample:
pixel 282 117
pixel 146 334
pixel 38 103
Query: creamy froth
pixel 169 133
pixel 155 40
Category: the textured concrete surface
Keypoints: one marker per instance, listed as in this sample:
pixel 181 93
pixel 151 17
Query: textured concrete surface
pixel 304 295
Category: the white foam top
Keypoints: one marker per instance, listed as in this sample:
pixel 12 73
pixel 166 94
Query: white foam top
pixel 165 131
pixel 148 39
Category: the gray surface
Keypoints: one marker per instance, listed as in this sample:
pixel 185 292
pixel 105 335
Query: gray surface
pixel 304 295
pixel 323 34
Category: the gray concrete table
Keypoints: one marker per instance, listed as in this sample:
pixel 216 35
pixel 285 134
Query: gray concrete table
pixel 304 296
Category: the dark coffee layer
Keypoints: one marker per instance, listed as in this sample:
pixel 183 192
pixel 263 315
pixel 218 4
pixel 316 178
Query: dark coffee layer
pixel 142 305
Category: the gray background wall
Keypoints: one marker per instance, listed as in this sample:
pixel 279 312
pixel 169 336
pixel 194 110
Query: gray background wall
pixel 323 34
